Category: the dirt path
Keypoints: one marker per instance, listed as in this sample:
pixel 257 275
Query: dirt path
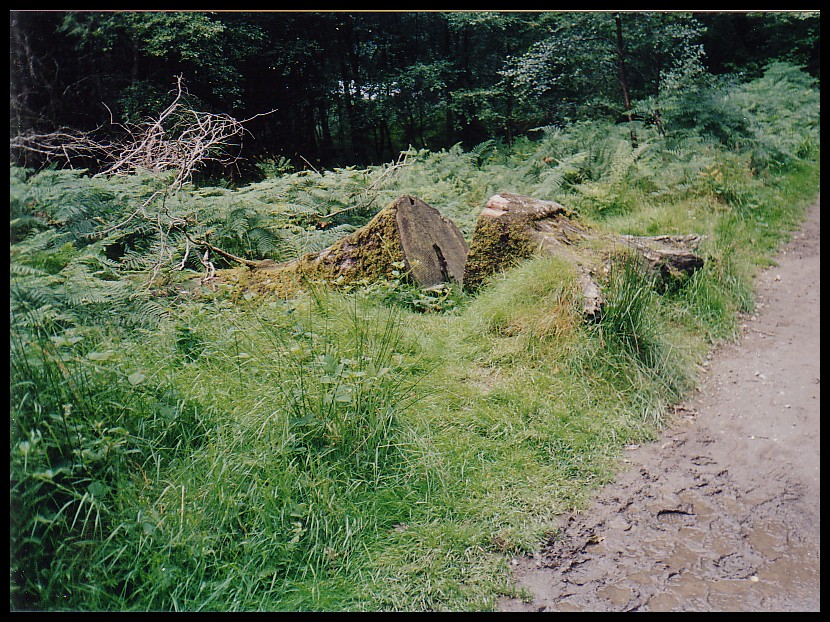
pixel 723 512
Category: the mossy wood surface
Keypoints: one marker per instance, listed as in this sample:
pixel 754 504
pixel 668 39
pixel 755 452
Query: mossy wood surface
pixel 407 231
pixel 514 227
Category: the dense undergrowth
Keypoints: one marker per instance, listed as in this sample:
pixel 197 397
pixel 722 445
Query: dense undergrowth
pixel 376 447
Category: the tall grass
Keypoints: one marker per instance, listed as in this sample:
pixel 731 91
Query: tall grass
pixel 68 450
pixel 298 452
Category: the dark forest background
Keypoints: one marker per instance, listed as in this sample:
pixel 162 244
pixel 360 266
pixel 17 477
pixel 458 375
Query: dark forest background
pixel 356 88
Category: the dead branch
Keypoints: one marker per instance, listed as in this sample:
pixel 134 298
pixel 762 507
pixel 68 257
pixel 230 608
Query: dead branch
pixel 179 139
pixel 210 269
pixel 372 190
pixel 245 262
pixel 63 144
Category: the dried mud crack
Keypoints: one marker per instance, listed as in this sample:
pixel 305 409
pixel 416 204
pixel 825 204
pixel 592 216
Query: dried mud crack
pixel 723 512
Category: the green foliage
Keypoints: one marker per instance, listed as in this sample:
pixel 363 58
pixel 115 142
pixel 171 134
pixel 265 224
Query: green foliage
pixel 69 449
pixel 774 117
pixel 787 100
pixel 59 273
pixel 656 47
pixel 274 167
pixel 608 194
pixel 356 89
pixel 400 291
pixel 441 299
pixel 745 42
pixel 190 38
pixel 380 447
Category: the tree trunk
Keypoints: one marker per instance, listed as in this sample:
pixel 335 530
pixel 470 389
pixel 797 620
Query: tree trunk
pixel 349 73
pixel 513 227
pixel 407 235
pixel 623 77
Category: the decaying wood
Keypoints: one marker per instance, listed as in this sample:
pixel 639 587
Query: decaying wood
pixel 434 249
pixel 514 227
pixel 670 255
pixel 407 233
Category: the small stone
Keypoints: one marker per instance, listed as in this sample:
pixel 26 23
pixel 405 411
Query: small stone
pixel 619 523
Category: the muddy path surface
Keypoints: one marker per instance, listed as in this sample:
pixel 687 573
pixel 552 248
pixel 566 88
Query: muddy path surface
pixel 722 513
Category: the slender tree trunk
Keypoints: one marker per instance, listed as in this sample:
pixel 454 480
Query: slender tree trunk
pixel 342 122
pixel 310 131
pixel 387 137
pixel 420 109
pixel 623 77
pixel 350 111
pixel 136 60
pixel 22 62
pixel 349 65
pixel 658 120
pixel 448 119
pixel 326 141
pixel 409 126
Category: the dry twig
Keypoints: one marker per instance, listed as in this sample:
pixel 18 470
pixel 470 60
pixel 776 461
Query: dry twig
pixel 179 139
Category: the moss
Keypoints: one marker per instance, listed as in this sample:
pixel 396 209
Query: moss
pixel 274 281
pixel 497 244
pixel 367 254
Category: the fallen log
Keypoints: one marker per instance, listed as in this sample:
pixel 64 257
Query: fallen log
pixel 407 233
pixel 514 227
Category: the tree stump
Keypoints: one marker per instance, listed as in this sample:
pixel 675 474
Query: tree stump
pixel 408 231
pixel 434 249
pixel 514 227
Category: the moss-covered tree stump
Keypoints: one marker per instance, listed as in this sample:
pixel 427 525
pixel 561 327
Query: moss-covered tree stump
pixel 514 227
pixel 407 231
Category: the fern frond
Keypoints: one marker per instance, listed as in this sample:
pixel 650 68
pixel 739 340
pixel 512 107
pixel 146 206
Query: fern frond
pixel 236 221
pixel 475 155
pixel 265 242
pixel 19 270
pixel 136 261
pixel 140 313
pixel 40 241
pixel 550 130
